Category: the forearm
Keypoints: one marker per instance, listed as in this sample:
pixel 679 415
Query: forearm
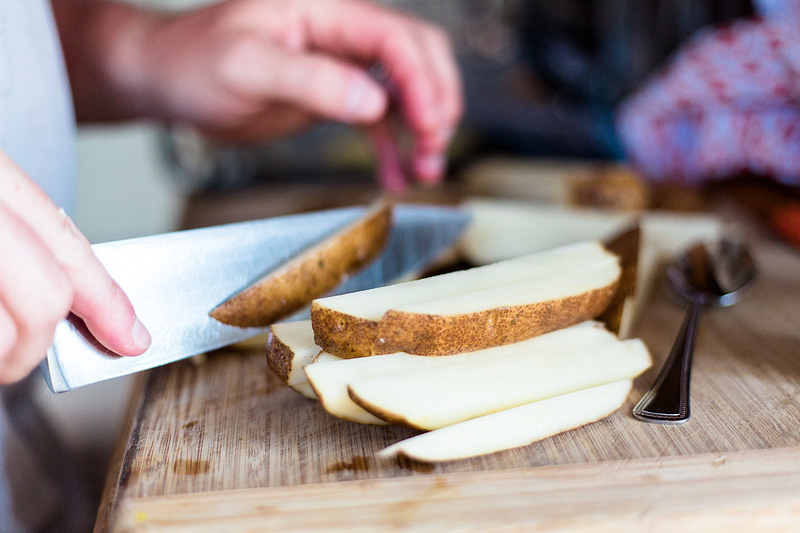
pixel 103 48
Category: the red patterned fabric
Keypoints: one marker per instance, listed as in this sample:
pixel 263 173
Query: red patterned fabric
pixel 726 103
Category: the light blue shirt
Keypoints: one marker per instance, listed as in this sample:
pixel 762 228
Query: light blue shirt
pixel 37 130
pixel 37 122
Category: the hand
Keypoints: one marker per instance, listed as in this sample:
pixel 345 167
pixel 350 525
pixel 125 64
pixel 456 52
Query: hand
pixel 255 70
pixel 724 105
pixel 47 270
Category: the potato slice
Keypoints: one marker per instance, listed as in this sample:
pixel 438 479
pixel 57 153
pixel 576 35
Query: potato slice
pixel 518 426
pixel 500 229
pixel 617 316
pixel 472 309
pixel 330 387
pixel 329 375
pixel 305 389
pixel 565 182
pixel 290 346
pixel 333 396
pixel 434 398
pixel 311 274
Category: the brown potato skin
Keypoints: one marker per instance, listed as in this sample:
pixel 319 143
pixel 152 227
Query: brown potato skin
pixel 626 246
pixel 279 357
pixel 437 335
pixel 391 418
pixel 310 275
pixel 342 334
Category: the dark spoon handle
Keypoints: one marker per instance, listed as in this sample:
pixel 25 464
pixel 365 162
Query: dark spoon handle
pixel 667 401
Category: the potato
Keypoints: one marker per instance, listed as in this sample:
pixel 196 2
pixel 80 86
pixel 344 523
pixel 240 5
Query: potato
pixel 617 316
pixel 330 388
pixel 311 274
pixel 437 397
pixel 500 229
pixel 290 346
pixel 329 375
pixel 518 426
pixel 468 310
pixel 562 182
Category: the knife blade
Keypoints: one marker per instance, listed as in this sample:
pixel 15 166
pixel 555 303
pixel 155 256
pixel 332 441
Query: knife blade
pixel 173 280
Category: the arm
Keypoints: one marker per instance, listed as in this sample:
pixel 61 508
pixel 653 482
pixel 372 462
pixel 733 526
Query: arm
pixel 253 70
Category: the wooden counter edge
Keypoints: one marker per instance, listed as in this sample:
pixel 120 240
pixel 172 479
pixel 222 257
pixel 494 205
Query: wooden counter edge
pixel 740 491
pixel 125 445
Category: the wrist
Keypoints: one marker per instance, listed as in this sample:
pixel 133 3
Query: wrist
pixel 105 48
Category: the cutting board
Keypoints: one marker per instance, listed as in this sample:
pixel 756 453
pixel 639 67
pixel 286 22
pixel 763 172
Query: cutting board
pixel 217 443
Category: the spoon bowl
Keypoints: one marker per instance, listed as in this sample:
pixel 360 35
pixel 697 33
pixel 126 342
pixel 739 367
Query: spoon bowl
pixel 712 274
pixel 704 275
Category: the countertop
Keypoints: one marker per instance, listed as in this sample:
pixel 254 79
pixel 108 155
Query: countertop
pixel 218 443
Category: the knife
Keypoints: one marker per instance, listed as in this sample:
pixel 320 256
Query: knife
pixel 173 280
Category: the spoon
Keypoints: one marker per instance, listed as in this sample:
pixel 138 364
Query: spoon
pixel 702 276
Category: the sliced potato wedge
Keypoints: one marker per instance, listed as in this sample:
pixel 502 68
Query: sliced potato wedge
pixel 305 388
pixel 329 375
pixel 290 346
pixel 438 397
pixel 518 426
pixel 617 315
pixel 330 388
pixel 311 274
pixel 472 309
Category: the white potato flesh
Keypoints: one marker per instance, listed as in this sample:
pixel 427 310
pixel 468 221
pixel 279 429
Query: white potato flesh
pixel 518 426
pixel 328 380
pixel 438 397
pixel 329 375
pixel 298 336
pixel 563 284
pixel 500 229
pixel 305 389
pixel 372 304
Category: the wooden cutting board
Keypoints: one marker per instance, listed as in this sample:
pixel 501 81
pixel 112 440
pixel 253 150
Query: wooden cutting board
pixel 220 444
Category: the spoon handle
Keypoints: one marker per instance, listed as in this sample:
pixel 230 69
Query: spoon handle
pixel 667 401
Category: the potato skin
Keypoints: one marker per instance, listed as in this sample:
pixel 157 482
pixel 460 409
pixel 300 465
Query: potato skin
pixel 341 334
pixel 279 357
pixel 311 274
pixel 377 411
pixel 436 335
pixel 626 247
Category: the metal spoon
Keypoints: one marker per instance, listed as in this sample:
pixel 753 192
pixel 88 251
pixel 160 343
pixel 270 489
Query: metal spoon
pixel 702 276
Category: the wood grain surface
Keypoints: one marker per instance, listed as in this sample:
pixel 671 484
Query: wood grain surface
pixel 220 444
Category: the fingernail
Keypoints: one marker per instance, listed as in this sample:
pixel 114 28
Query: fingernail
pixel 446 135
pixel 430 168
pixel 140 336
pixel 364 101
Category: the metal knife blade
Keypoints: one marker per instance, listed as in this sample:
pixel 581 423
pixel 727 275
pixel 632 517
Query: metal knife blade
pixel 175 279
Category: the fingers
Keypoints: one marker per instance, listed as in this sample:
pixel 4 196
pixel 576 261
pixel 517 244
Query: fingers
pixel 327 87
pixel 418 59
pixel 390 161
pixel 96 297
pixel 34 295
pixel 324 71
pixel 428 159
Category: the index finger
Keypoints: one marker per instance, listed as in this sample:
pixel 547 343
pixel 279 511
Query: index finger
pixel 415 54
pixel 98 299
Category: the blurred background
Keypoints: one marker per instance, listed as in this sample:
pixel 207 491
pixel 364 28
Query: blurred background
pixel 542 79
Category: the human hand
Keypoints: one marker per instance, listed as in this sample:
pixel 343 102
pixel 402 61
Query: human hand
pixel 255 70
pixel 48 269
pixel 724 105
